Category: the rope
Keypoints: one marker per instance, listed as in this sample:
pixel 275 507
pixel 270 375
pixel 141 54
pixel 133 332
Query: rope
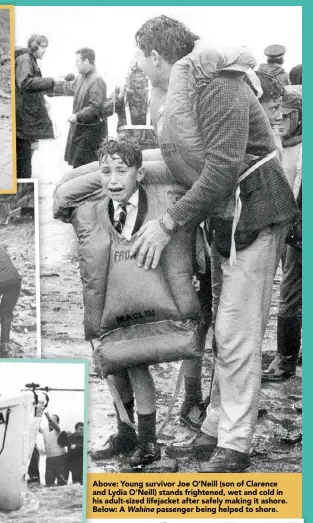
pixel 5 430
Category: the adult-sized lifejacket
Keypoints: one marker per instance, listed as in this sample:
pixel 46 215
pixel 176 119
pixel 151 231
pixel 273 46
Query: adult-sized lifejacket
pixel 125 306
pixel 178 128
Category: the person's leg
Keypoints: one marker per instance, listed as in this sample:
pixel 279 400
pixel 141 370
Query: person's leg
pixel 203 445
pixel 125 440
pixel 239 328
pixel 62 470
pixel 10 293
pixel 24 158
pixel 193 408
pixel 144 391
pixel 50 475
pixel 76 468
pixel 289 319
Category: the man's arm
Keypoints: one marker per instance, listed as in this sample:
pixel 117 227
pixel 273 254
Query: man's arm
pixel 224 121
pixel 96 99
pixel 53 424
pixel 25 80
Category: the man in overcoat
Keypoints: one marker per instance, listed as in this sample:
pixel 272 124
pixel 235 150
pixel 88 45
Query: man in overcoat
pixel 88 128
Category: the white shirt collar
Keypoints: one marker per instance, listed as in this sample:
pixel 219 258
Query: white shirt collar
pixel 133 200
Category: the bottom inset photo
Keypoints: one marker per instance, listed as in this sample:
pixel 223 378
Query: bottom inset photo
pixel 43 440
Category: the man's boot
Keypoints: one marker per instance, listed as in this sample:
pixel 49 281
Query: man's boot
pixel 288 347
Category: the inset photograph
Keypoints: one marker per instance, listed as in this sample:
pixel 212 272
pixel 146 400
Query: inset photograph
pixel 7 102
pixel 19 273
pixel 42 442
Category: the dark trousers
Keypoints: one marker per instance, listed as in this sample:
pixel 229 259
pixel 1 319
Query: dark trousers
pixel 56 469
pixel 24 158
pixel 9 292
pixel 76 469
pixel 290 303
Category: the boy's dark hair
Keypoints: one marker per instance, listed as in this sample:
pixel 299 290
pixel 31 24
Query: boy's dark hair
pixel 295 75
pixel 169 37
pixel 125 146
pixel 271 87
pixel 86 52
pixel 57 417
pixel 79 424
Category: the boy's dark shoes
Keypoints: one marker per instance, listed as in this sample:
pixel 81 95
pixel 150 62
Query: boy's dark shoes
pixel 146 453
pixel 115 445
pixel 201 446
pixel 226 460
pixel 193 415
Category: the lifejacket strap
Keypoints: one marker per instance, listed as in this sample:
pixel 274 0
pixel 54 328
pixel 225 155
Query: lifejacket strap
pixel 238 204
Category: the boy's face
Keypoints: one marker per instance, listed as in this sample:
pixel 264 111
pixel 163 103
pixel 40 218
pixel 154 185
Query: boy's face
pixel 288 122
pixel 273 110
pixel 118 180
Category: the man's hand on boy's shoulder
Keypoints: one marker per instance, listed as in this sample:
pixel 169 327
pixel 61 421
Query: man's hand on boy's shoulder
pixel 150 242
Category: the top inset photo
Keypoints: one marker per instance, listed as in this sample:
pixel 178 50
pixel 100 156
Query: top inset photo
pixel 7 102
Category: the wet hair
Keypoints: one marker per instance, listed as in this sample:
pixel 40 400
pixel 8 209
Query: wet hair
pixel 295 75
pixel 271 87
pixel 79 424
pixel 275 60
pixel 86 52
pixel 169 37
pixel 125 146
pixel 57 417
pixel 36 40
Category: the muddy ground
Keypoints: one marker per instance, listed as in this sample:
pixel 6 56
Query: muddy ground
pixel 20 242
pixel 277 443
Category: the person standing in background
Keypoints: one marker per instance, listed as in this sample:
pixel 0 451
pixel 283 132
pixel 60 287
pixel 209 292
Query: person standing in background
pixel 56 464
pixel 10 287
pixel 75 443
pixel 87 126
pixel 275 60
pixel 32 119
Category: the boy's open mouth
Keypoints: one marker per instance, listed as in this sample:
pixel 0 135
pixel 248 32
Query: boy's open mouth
pixel 117 190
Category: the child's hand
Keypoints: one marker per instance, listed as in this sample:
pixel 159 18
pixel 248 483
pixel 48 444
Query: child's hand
pixel 196 283
pixel 73 447
pixel 47 415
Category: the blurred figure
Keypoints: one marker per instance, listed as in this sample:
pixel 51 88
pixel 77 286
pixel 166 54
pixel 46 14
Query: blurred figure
pixel 33 468
pixel 275 59
pixel 56 464
pixel 10 287
pixel 295 75
pixel 32 119
pixel 87 128
pixel 131 104
pixel 271 101
pixel 75 445
pixel 289 317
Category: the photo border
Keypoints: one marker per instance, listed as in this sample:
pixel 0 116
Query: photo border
pixel 86 403
pixel 13 101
